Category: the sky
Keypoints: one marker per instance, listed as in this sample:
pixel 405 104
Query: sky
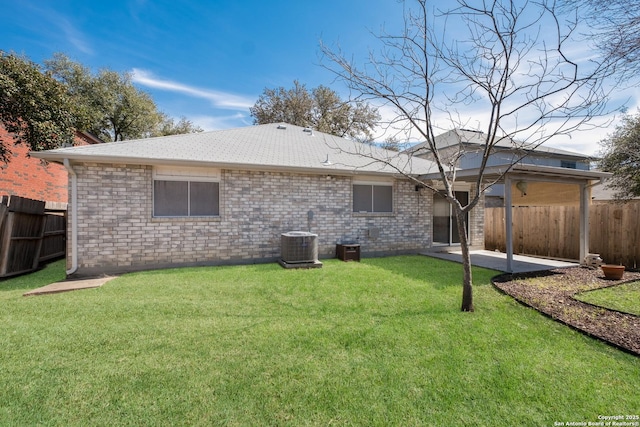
pixel 209 60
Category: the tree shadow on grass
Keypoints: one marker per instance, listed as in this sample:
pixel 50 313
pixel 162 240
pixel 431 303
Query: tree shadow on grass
pixel 442 274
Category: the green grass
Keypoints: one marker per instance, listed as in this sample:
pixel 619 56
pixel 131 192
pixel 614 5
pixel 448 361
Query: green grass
pixel 624 298
pixel 376 343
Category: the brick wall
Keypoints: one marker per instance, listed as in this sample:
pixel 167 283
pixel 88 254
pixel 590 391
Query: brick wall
pixel 34 178
pixel 117 232
pixel 30 177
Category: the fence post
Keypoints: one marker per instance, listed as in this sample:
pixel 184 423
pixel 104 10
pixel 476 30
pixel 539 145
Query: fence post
pixel 508 222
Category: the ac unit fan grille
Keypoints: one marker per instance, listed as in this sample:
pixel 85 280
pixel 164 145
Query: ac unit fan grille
pixel 299 247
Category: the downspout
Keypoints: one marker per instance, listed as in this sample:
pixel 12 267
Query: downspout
pixel 74 218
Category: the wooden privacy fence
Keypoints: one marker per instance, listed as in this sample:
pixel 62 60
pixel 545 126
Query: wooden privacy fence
pixel 28 235
pixel 554 231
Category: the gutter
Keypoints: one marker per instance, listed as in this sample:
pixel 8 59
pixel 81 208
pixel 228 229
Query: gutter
pixel 601 180
pixel 74 217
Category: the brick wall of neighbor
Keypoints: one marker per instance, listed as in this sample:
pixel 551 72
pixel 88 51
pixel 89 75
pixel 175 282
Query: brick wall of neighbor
pixel 34 178
pixel 116 230
pixel 30 177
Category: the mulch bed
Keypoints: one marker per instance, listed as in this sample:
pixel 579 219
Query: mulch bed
pixel 551 292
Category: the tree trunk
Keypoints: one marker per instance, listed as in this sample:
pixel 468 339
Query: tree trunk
pixel 467 281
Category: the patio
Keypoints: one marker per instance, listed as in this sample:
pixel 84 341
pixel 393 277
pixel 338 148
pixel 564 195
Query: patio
pixel 498 261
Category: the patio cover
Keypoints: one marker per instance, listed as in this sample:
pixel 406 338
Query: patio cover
pixel 523 172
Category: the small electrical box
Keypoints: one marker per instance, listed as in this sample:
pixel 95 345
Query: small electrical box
pixel 348 251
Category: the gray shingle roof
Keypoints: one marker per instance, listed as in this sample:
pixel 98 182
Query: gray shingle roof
pixel 263 147
pixel 455 136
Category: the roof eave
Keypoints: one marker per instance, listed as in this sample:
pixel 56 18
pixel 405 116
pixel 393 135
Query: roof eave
pixel 530 171
pixel 59 157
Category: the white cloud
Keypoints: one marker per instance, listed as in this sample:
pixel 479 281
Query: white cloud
pixel 585 141
pixel 209 123
pixel 75 37
pixel 217 98
pixel 59 26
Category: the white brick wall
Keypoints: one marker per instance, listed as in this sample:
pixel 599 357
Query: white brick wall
pixel 116 230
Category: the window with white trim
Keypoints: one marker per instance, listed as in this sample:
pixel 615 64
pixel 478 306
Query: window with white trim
pixel 372 197
pixel 186 192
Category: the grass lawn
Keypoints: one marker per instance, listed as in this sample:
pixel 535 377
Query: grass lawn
pixel 624 298
pixel 376 343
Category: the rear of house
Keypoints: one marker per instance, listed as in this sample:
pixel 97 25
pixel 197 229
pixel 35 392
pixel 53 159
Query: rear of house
pixel 225 197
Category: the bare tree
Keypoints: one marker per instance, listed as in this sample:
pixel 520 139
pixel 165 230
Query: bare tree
pixel 509 60
pixel 613 26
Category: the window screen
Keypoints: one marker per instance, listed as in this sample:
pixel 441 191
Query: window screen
pixel 372 198
pixel 186 198
pixel 204 199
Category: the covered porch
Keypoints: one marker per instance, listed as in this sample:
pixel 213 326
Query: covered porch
pixel 561 186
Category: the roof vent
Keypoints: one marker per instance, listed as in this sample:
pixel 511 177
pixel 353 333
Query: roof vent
pixel 327 162
pixel 282 126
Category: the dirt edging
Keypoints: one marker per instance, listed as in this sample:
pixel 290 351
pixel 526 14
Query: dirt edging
pixel 551 293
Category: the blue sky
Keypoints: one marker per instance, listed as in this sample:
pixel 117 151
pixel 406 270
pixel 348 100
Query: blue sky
pixel 207 60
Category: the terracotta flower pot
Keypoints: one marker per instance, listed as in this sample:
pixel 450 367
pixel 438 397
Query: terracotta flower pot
pixel 613 272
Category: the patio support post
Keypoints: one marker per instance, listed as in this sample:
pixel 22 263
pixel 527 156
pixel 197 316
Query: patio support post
pixel 584 220
pixel 508 223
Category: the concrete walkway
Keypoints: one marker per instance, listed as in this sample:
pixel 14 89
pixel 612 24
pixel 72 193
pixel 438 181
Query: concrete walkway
pixel 498 261
pixel 69 285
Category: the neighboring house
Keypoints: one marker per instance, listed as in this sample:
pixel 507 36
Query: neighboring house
pixel 33 178
pixel 467 146
pixel 226 197
pixel 602 193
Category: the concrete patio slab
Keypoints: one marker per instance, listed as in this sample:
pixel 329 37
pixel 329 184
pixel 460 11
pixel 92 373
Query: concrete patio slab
pixel 498 261
pixel 69 285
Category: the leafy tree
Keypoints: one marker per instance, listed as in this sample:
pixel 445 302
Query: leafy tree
pixel 321 109
pixel 621 156
pixel 496 55
pixel 34 107
pixel 391 143
pixel 110 106
pixel 169 126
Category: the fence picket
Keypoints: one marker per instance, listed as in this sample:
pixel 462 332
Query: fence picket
pixel 25 237
pixel 553 231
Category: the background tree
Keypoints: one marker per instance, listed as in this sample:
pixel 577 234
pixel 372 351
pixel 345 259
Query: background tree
pixel 621 156
pixel 34 107
pixel 506 58
pixel 321 109
pixel 391 143
pixel 110 106
pixel 168 126
pixel 614 26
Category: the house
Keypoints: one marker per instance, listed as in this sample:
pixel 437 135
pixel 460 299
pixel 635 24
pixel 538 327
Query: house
pixel 29 177
pixel 226 197
pixel 466 147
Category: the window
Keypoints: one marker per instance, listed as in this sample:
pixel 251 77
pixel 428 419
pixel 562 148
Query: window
pixel 568 164
pixel 372 197
pixel 186 192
